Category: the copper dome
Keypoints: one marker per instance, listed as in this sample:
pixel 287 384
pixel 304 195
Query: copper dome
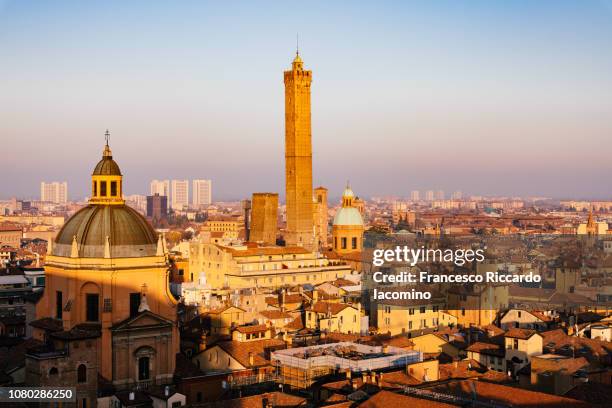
pixel 129 234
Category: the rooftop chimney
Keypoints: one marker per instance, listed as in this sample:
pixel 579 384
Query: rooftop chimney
pixel 131 396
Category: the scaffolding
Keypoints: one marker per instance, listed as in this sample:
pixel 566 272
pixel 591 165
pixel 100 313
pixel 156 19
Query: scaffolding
pixel 301 367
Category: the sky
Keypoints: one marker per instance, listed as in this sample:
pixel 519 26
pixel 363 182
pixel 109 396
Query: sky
pixel 487 97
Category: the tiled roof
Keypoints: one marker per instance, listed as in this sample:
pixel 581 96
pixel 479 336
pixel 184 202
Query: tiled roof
pixel 276 399
pixel 558 340
pixel 386 399
pixel 522 334
pixel 328 307
pixel 540 315
pixel 264 251
pixel 241 350
pixel 252 329
pixel 295 324
pixel 275 314
pixel 48 323
pixel 487 348
pixel 461 370
pixel 511 396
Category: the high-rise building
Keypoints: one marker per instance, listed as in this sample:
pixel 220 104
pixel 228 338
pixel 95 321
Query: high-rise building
pixel 202 193
pixel 414 195
pixel 180 194
pixel 440 195
pixel 298 156
pixel 320 216
pixel 264 216
pixel 54 192
pixel 429 195
pixel 137 202
pixel 457 195
pixel 157 206
pixel 161 187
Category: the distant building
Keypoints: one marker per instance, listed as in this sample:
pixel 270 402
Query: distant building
pixel 157 206
pixel 14 288
pixel 19 205
pixel 429 195
pixel 54 192
pixel 11 235
pixel 180 194
pixel 321 220
pixel 225 226
pixel 457 195
pixel 439 195
pixel 264 218
pixel 202 193
pixel 161 187
pixel 137 202
pixel 414 195
pixel 347 230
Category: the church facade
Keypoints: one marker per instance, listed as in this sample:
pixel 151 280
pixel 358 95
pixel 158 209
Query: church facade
pixel 107 289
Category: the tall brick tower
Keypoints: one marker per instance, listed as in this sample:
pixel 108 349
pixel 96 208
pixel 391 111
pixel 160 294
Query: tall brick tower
pixel 298 156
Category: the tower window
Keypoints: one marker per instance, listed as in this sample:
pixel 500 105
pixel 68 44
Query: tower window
pixel 82 373
pixel 94 188
pixel 113 189
pixel 58 304
pixel 92 307
pixel 343 242
pixel 354 242
pixel 103 188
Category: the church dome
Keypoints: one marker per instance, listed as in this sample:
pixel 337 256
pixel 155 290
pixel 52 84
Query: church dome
pixel 348 192
pixel 129 234
pixel 107 166
pixel 348 216
pixel 107 227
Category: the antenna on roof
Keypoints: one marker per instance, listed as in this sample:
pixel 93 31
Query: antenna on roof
pixel 297 43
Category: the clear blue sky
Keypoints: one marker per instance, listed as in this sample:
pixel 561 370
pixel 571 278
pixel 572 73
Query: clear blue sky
pixel 507 97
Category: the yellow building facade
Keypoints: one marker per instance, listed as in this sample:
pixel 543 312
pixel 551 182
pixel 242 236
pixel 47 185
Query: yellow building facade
pixel 249 266
pixel 107 272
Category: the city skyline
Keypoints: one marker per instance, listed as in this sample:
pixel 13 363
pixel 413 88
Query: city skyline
pixel 472 103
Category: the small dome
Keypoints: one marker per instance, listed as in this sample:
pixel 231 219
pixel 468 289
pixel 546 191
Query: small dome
pixel 107 166
pixel 128 232
pixel 348 193
pixel 348 216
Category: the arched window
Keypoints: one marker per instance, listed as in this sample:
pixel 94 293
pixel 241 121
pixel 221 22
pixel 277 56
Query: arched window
pixel 82 373
pixel 53 371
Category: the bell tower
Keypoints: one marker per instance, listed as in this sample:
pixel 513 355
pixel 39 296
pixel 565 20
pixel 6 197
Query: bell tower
pixel 298 156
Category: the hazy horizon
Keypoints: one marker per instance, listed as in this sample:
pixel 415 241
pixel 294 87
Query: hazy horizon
pixel 506 98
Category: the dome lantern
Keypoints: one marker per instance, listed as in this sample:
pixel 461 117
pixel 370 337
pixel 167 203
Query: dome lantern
pixel 106 179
